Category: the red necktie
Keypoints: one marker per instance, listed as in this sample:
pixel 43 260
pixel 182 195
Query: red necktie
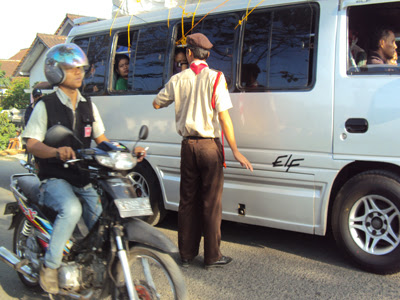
pixel 197 68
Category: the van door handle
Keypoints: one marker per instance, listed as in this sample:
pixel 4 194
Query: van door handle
pixel 356 125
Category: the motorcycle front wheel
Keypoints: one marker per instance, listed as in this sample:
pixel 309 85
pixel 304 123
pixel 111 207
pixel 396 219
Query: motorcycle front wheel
pixel 155 276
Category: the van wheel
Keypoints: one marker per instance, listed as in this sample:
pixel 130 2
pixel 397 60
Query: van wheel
pixel 146 184
pixel 366 221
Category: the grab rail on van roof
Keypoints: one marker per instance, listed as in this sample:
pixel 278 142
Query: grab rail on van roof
pixel 86 20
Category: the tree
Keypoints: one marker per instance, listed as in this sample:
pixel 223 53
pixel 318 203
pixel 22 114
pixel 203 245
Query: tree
pixel 15 94
pixel 7 130
pixel 4 80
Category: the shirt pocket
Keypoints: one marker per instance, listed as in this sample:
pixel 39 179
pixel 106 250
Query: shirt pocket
pixel 87 118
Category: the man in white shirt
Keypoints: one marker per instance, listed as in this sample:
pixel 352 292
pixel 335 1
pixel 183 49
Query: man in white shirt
pixel 201 110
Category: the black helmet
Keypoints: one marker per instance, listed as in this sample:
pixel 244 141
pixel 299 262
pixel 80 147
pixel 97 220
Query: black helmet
pixel 36 93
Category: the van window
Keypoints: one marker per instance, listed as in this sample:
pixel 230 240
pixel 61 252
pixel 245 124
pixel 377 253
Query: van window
pixel 146 54
pixel 367 26
pixel 278 49
pixel 220 30
pixel 96 49
pixel 122 65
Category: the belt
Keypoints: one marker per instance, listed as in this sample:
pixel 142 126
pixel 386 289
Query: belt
pixel 198 138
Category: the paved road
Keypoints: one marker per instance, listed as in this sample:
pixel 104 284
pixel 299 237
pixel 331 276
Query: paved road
pixel 268 264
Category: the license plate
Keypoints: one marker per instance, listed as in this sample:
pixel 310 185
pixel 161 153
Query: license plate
pixel 133 207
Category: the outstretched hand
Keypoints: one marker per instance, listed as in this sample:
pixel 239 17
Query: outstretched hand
pixel 140 153
pixel 243 160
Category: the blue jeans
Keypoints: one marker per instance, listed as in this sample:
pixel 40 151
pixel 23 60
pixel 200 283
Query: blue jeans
pixel 66 200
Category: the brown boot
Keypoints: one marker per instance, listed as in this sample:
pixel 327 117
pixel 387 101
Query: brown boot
pixel 49 280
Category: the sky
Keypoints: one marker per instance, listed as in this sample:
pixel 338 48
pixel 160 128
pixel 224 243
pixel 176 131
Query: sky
pixel 21 20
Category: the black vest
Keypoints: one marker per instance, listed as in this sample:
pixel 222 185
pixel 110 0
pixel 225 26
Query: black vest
pixel 58 113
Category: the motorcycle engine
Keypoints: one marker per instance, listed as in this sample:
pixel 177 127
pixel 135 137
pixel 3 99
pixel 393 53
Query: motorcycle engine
pixel 73 276
pixel 70 276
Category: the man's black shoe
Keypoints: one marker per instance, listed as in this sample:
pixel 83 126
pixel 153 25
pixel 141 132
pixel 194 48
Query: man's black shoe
pixel 186 262
pixel 224 260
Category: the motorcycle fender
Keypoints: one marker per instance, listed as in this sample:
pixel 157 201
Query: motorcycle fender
pixel 143 233
pixel 12 208
pixel 14 220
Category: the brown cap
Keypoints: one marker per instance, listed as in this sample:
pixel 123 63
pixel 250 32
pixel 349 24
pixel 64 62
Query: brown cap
pixel 198 40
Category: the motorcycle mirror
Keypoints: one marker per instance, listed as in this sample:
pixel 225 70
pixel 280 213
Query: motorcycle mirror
pixel 144 132
pixel 58 133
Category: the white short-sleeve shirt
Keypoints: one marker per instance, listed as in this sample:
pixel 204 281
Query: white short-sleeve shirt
pixel 192 94
pixel 37 125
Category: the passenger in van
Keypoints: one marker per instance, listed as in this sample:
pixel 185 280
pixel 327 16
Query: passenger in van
pixel 89 85
pixel 202 159
pixel 383 47
pixel 358 56
pixel 249 75
pixel 393 61
pixel 121 68
pixel 180 61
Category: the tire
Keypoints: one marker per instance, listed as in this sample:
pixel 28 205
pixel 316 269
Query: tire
pixel 146 184
pixel 366 221
pixel 164 281
pixel 24 241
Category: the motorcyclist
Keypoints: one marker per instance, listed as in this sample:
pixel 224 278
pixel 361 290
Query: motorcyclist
pixel 36 95
pixel 65 190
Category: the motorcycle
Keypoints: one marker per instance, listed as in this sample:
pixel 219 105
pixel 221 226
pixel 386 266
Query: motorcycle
pixel 122 256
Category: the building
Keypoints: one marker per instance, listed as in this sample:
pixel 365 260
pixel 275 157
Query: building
pixel 31 65
pixel 11 64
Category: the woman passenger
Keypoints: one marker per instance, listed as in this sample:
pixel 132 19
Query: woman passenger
pixel 121 68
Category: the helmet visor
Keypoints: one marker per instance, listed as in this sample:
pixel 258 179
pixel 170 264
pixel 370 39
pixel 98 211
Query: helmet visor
pixel 67 56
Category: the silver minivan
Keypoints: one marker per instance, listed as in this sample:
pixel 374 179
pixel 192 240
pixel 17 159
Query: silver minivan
pixel 315 117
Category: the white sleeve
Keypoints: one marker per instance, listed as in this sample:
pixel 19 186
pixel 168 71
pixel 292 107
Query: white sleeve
pixel 166 96
pixel 98 126
pixel 37 124
pixel 222 98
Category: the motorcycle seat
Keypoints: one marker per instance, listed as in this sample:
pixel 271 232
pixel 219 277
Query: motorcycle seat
pixel 30 187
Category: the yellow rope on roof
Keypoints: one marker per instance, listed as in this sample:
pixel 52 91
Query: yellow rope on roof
pixel 247 9
pixel 183 28
pixel 129 36
pixel 194 14
pixel 119 8
pixel 245 17
pixel 183 39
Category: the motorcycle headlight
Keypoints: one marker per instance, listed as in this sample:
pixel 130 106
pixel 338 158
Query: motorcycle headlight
pixel 124 161
pixel 117 160
pixel 105 160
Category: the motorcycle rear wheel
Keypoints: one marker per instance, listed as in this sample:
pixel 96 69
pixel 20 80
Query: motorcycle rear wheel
pixel 155 276
pixel 22 233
